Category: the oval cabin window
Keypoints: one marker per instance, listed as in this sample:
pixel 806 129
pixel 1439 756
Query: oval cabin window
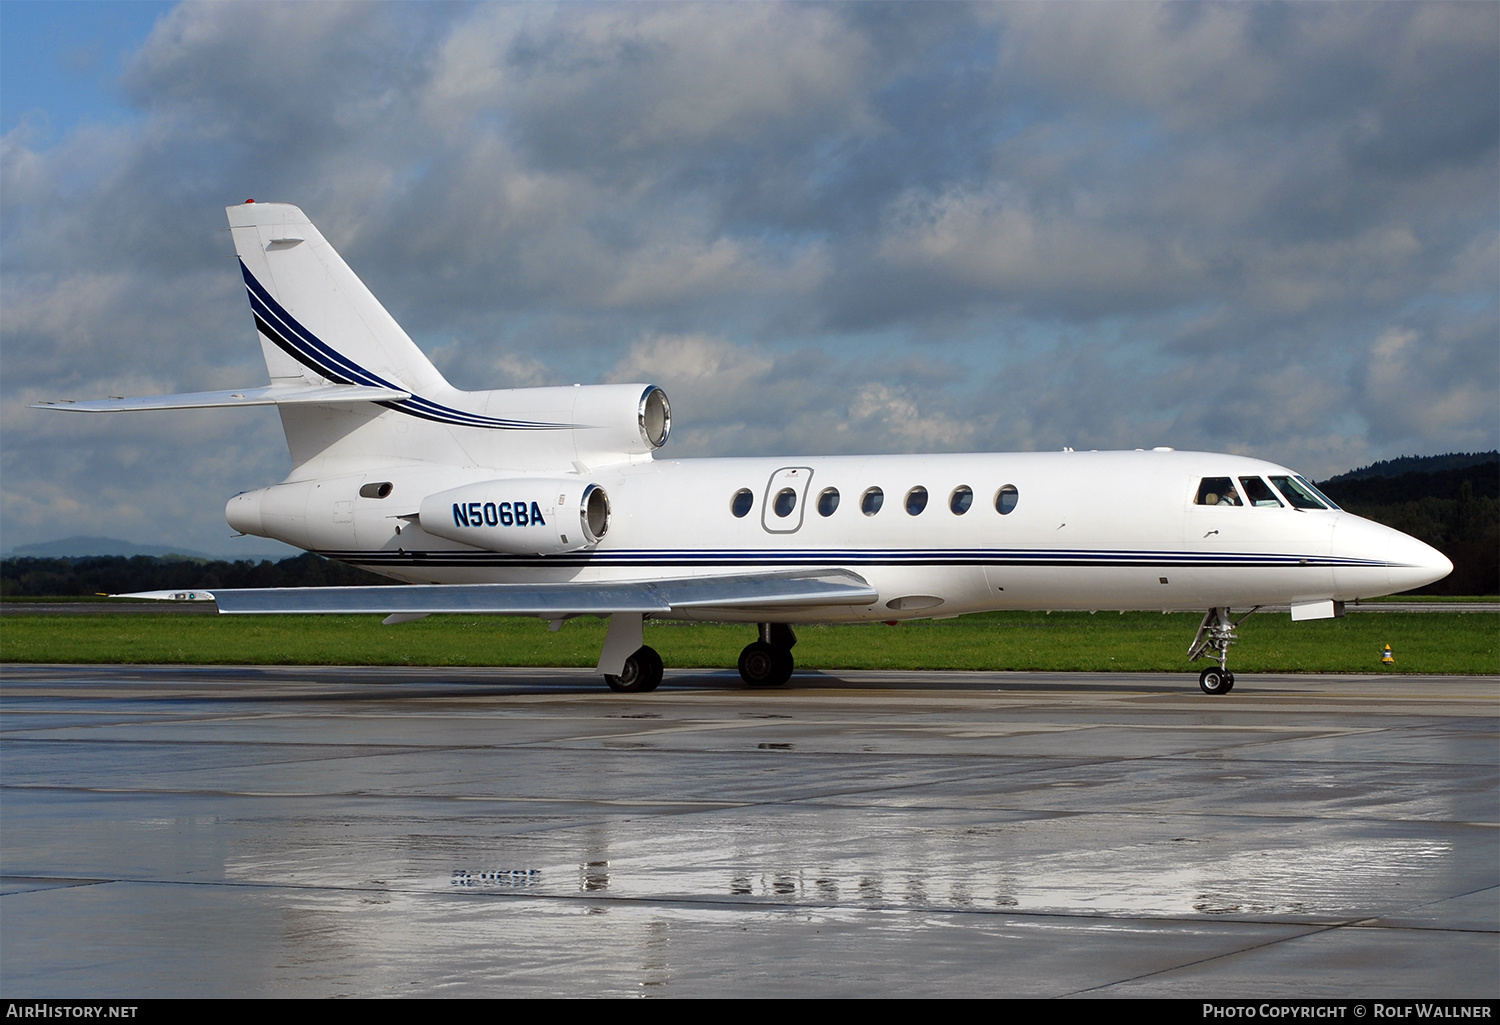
pixel 1005 499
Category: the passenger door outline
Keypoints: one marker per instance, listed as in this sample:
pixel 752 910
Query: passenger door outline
pixel 795 477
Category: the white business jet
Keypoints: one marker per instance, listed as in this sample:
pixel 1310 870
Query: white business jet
pixel 553 502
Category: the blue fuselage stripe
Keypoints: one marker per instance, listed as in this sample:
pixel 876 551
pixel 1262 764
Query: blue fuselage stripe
pixel 884 557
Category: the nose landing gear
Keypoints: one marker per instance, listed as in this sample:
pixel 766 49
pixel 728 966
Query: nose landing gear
pixel 768 662
pixel 1215 635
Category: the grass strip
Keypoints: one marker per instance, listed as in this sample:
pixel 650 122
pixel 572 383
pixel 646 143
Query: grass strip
pixel 1429 642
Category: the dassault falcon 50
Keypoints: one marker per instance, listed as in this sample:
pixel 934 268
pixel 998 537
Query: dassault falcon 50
pixel 554 502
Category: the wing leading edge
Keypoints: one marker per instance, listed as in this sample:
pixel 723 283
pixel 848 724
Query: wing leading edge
pixel 267 395
pixel 772 590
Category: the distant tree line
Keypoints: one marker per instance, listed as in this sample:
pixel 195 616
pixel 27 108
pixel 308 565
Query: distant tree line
pixel 114 574
pixel 1418 464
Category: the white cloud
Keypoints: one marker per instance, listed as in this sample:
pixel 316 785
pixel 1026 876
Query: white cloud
pixel 591 83
pixel 1419 386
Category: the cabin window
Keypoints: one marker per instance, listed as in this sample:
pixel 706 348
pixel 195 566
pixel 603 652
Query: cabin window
pixel 1295 493
pixel 1259 492
pixel 916 501
pixel 741 502
pixel 828 501
pixel 871 501
pixel 1006 499
pixel 1217 491
pixel 785 502
pixel 960 500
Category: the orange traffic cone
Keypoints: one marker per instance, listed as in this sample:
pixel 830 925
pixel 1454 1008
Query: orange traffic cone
pixel 1387 659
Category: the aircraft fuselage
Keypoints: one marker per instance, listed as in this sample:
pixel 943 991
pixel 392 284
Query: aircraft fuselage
pixel 1080 530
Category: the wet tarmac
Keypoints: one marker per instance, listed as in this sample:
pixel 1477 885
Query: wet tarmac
pixel 225 831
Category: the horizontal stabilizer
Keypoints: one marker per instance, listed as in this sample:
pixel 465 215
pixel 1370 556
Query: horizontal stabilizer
pixel 779 590
pixel 268 395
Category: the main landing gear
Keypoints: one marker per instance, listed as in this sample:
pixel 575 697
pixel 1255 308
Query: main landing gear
pixel 764 663
pixel 642 672
pixel 768 661
pixel 1215 635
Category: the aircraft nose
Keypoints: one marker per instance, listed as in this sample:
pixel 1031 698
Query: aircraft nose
pixel 1381 557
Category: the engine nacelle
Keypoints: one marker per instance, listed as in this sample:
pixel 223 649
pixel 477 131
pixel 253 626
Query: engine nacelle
pixel 520 516
pixel 590 424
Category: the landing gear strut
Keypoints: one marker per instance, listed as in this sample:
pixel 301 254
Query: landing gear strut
pixel 1215 635
pixel 768 662
pixel 642 673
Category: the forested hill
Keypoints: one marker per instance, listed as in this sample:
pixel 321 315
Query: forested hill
pixel 1418 464
pixel 1456 509
pixel 114 574
pixel 1483 478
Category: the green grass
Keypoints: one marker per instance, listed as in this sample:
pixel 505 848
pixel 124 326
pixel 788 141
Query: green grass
pixel 1431 642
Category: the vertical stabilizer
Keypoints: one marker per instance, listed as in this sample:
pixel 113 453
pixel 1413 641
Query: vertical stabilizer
pixel 318 323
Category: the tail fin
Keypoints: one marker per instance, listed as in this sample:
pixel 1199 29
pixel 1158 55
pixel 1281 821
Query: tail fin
pixel 318 322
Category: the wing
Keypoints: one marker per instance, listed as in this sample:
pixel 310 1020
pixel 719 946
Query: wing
pixel 268 395
pixel 770 591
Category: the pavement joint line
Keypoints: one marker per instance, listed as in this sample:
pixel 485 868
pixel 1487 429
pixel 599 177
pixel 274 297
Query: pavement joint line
pixel 1312 931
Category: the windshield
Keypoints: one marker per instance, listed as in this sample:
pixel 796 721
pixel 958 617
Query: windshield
pixel 1314 489
pixel 1299 495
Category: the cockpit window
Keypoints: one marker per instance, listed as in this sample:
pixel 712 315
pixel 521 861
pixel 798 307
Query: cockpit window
pixel 1217 491
pixel 1314 489
pixel 1259 492
pixel 1299 496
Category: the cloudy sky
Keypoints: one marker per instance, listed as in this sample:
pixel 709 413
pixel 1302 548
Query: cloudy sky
pixel 1268 229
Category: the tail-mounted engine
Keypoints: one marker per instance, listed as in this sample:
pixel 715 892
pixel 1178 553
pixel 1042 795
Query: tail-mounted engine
pixel 520 516
pixel 553 427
